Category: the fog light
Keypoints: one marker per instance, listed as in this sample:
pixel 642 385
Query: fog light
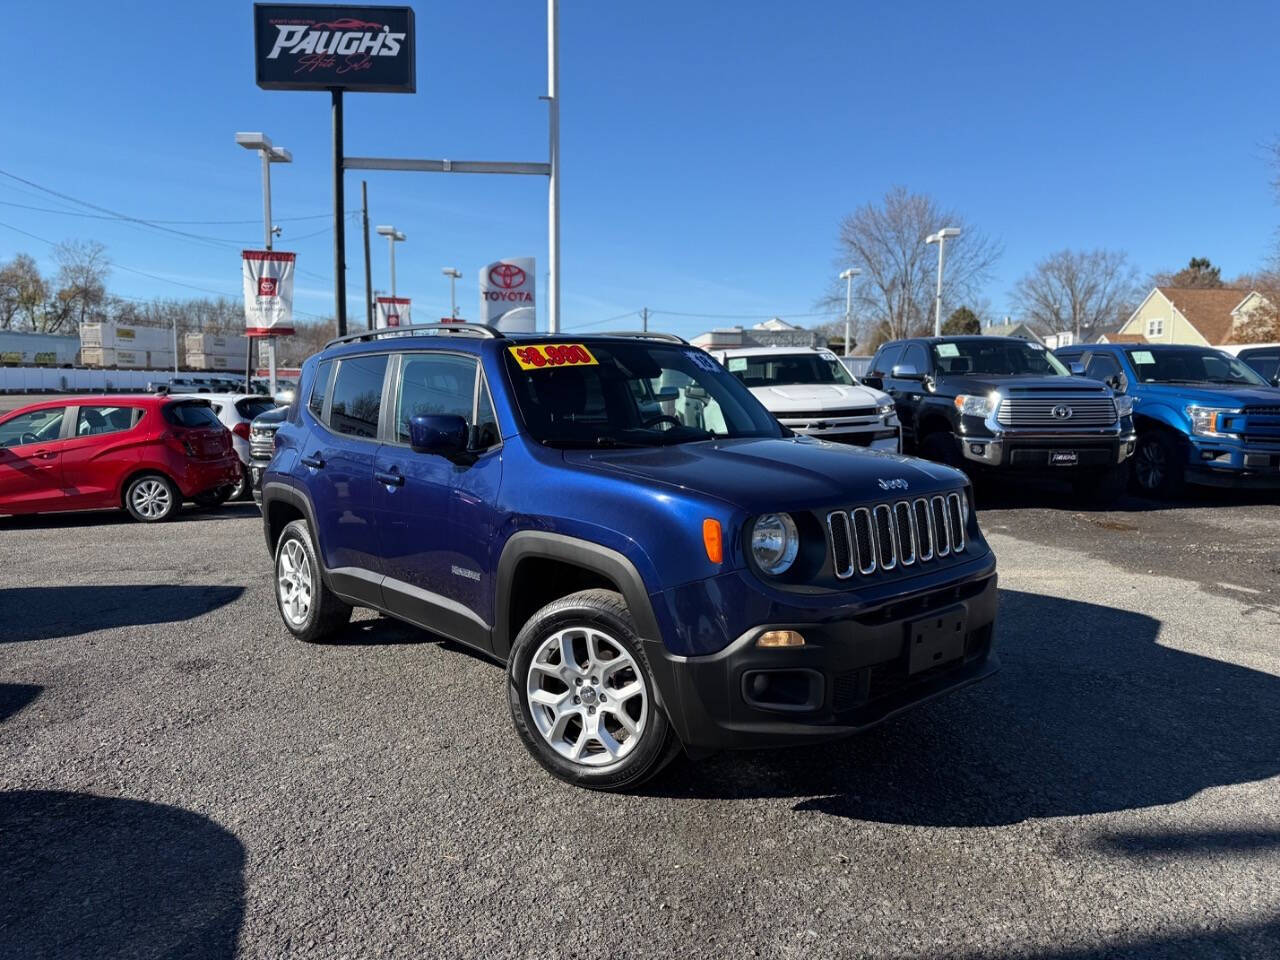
pixel 780 638
pixel 978 449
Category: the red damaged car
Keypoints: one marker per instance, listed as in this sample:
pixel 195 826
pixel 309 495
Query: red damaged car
pixel 144 453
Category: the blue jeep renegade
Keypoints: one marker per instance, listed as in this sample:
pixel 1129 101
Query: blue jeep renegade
pixel 657 561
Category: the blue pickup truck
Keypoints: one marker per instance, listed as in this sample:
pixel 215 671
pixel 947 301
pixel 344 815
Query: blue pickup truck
pixel 1202 416
pixel 657 561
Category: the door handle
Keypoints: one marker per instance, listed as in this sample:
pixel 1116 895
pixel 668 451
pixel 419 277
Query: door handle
pixel 390 479
pixel 45 454
pixel 314 462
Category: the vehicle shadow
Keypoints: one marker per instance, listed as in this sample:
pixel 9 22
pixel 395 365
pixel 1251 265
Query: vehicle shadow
pixel 93 876
pixel 43 613
pixel 1220 942
pixel 1199 844
pixel 98 518
pixel 1005 493
pixel 16 696
pixel 1089 714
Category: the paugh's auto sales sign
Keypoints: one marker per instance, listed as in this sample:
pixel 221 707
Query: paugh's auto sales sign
pixel 302 47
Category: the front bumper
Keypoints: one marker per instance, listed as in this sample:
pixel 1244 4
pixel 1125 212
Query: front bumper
pixel 1049 450
pixel 852 673
pixel 1215 463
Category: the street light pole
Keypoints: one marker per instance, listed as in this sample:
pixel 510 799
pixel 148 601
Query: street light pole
pixel 453 274
pixel 270 154
pixel 393 236
pixel 847 276
pixel 553 178
pixel 940 238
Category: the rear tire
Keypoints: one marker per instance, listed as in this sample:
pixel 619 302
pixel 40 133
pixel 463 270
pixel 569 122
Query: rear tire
pixel 582 695
pixel 152 498
pixel 310 611
pixel 1158 468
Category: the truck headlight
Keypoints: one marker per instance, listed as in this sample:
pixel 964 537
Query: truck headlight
pixel 971 405
pixel 1209 421
pixel 1124 406
pixel 886 410
pixel 774 543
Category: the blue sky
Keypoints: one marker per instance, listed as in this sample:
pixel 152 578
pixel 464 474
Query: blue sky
pixel 709 149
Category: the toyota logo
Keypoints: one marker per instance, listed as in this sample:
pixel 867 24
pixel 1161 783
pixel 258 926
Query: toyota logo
pixel 507 276
pixel 1061 412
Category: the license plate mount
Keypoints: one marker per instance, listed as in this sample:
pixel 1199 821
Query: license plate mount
pixel 936 639
pixel 1064 458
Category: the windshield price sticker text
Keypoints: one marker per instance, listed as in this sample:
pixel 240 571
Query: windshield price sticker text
pixel 551 355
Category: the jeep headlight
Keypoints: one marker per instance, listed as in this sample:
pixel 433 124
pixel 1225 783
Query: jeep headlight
pixel 972 405
pixel 774 543
pixel 1210 421
pixel 1124 406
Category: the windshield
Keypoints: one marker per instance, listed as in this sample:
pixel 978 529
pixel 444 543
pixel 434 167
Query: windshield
pixel 630 394
pixel 1192 365
pixel 1005 357
pixel 773 370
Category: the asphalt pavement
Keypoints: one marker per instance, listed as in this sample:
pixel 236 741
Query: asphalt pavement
pixel 180 778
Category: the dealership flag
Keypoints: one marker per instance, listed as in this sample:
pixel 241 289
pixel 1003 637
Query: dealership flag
pixel 392 312
pixel 268 293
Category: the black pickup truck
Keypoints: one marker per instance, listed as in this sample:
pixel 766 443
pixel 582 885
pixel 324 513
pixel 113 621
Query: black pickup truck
pixel 1003 404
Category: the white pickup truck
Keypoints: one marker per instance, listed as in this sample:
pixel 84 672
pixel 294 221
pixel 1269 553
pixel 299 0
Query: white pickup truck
pixel 811 392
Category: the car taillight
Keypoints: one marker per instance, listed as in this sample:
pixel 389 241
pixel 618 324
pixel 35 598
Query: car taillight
pixel 241 429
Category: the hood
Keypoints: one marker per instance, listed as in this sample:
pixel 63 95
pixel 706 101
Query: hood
pixel 760 475
pixel 986 382
pixel 1207 395
pixel 815 397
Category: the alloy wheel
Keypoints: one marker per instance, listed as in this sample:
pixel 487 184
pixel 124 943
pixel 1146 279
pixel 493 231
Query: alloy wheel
pixel 293 574
pixel 1150 465
pixel 151 498
pixel 587 696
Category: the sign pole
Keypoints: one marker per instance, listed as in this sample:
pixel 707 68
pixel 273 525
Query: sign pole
pixel 368 277
pixel 266 222
pixel 339 216
pixel 553 180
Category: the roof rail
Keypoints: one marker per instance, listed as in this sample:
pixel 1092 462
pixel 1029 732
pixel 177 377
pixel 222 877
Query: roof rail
pixel 647 335
pixel 472 329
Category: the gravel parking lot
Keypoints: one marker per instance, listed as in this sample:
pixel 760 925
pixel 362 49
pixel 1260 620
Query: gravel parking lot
pixel 179 778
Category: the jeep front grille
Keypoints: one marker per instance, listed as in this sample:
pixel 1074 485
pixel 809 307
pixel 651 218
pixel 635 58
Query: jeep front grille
pixel 1039 411
pixel 899 534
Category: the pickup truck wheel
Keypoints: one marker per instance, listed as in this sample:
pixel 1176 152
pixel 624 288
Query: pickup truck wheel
pixel 309 610
pixel 582 695
pixel 1157 465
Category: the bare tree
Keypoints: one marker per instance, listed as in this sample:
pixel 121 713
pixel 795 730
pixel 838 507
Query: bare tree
pixel 1077 291
pixel 23 294
pixel 895 293
pixel 81 282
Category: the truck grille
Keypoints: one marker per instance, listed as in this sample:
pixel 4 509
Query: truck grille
pixel 891 535
pixel 1036 411
pixel 834 414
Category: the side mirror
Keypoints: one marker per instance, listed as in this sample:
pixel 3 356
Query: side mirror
pixel 1076 368
pixel 906 371
pixel 1117 382
pixel 445 434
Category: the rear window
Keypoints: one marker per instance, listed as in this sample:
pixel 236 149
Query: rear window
pixel 251 407
pixel 191 415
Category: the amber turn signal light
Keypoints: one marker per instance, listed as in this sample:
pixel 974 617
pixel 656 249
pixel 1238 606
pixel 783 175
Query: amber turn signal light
pixel 712 540
pixel 780 638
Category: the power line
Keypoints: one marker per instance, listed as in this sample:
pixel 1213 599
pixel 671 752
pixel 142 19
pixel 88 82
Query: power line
pixel 596 323
pixel 746 316
pixel 209 223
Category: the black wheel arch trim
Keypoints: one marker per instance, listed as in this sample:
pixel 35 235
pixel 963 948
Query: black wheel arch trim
pixel 581 553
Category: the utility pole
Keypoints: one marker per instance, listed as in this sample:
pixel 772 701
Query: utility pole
pixel 644 319
pixel 553 177
pixel 847 276
pixel 940 238
pixel 368 279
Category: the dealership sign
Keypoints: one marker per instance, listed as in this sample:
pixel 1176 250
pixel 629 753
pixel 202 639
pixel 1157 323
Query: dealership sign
pixel 391 312
pixel 508 293
pixel 268 293
pixel 304 47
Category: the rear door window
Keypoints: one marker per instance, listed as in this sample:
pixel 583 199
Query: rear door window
pixel 357 396
pixel 91 421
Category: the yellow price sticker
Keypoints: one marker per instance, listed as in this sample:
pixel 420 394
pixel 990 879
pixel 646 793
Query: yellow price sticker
pixel 548 356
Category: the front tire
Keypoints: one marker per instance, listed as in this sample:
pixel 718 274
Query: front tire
pixel 310 611
pixel 582 695
pixel 1157 465
pixel 152 498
